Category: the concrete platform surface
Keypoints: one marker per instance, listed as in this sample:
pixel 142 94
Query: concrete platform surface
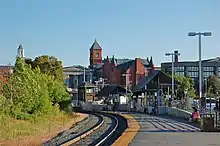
pixel 164 131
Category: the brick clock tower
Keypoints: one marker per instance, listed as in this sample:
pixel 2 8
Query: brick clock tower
pixel 95 55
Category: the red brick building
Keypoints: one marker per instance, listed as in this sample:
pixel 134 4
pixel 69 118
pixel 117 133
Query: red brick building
pixel 116 70
pixel 5 72
pixel 135 70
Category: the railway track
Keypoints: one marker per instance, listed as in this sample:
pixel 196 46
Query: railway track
pixel 101 134
pixel 98 129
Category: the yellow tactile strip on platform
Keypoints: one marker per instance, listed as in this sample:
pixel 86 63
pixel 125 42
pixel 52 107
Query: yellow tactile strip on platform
pixel 126 138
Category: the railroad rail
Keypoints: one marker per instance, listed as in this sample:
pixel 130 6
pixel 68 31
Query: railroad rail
pixel 100 135
pixel 79 130
pixel 96 130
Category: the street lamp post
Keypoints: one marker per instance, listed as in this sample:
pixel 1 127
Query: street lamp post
pixel 200 34
pixel 172 55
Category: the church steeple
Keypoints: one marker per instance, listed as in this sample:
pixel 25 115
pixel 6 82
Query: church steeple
pixel 20 52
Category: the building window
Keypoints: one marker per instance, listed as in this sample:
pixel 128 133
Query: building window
pixel 179 68
pixel 208 68
pixel 193 68
pixel 97 55
pixel 181 73
pixel 207 74
pixel 193 74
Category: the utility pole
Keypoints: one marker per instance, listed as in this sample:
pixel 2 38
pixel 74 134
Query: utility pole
pixel 172 55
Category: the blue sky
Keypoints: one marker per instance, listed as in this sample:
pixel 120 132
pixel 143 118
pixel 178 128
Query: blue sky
pixel 126 28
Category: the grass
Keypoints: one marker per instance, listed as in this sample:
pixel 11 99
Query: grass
pixel 45 125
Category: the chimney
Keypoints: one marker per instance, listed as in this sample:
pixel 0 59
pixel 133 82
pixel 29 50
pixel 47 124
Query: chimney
pixel 137 71
pixel 137 60
pixel 137 64
pixel 176 57
pixel 151 63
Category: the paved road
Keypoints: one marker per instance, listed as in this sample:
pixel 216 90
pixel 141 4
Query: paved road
pixel 164 131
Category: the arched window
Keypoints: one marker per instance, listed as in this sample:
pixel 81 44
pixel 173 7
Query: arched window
pixel 97 55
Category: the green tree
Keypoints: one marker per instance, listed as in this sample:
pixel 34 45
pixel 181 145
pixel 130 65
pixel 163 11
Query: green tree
pixel 49 65
pixel 213 85
pixel 185 83
pixel 27 91
pixel 57 90
pixel 29 61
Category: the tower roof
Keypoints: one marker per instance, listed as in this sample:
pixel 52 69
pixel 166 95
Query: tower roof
pixel 20 47
pixel 95 46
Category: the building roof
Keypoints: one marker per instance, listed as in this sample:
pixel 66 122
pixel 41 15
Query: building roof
pixel 146 80
pixel 74 68
pixel 20 47
pixel 6 66
pixel 126 65
pixel 217 59
pixel 212 60
pixel 95 46
pixel 111 89
pixel 121 61
pixel 165 79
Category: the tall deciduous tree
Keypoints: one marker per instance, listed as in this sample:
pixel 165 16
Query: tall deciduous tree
pixel 49 65
pixel 185 83
pixel 213 85
pixel 31 92
pixel 27 91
